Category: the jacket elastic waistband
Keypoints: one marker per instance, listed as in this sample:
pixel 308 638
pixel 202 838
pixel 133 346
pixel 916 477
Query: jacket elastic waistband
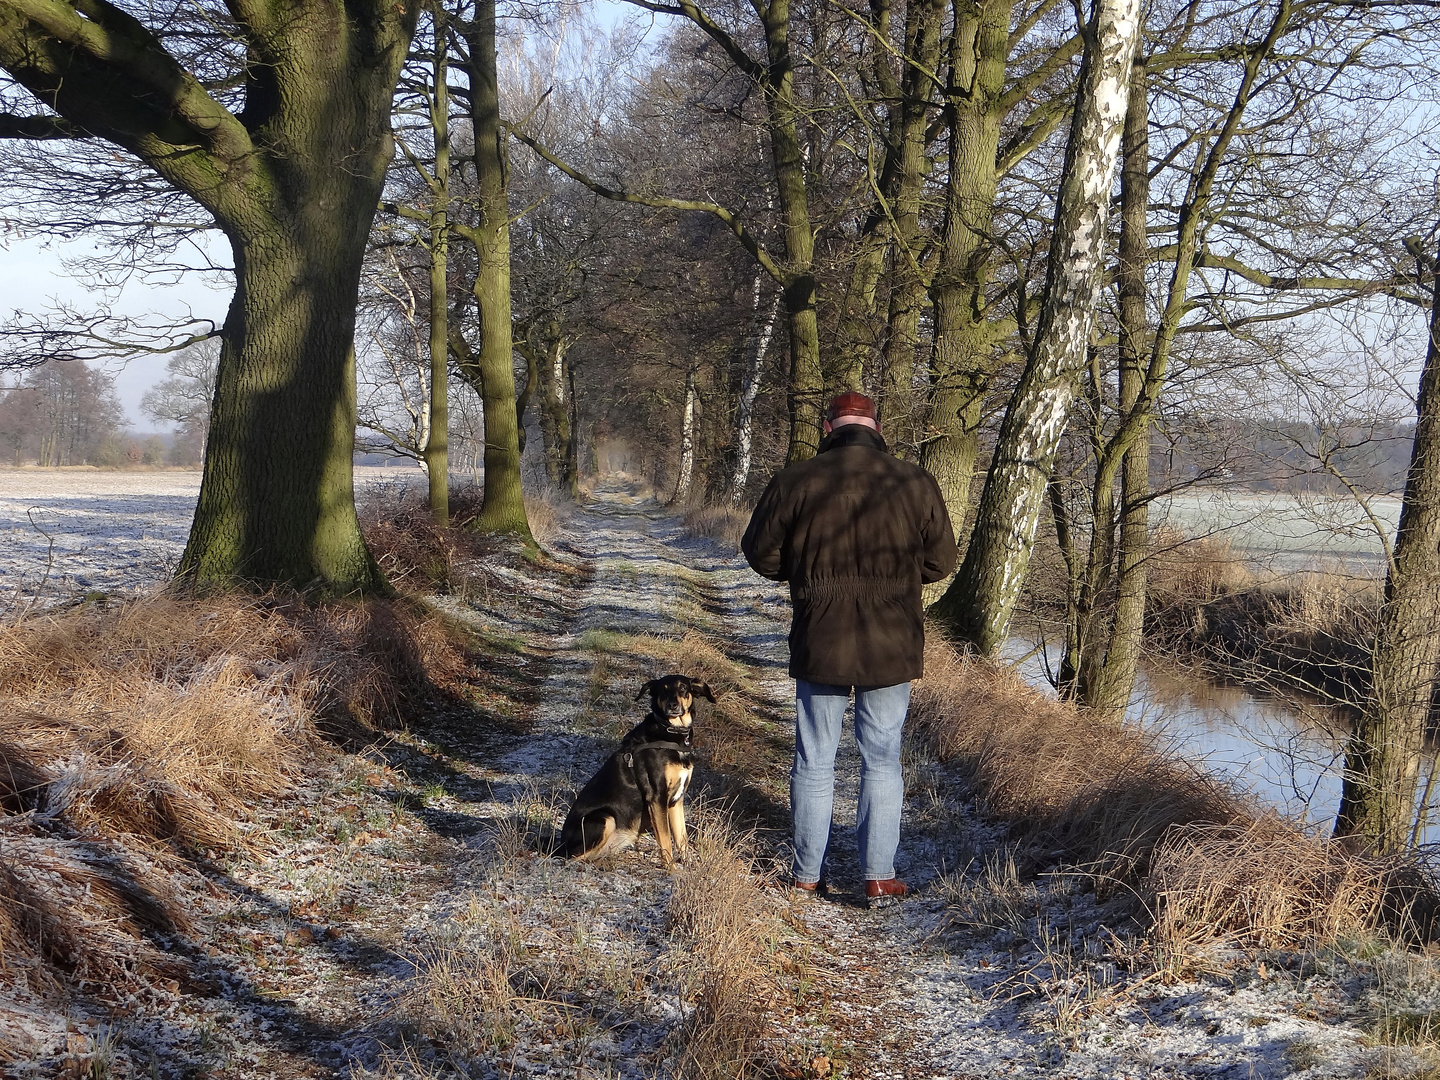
pixel 852 586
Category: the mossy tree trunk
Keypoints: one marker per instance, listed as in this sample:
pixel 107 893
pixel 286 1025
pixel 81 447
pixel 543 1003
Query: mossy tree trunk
pixel 503 508
pixel 805 397
pixel 1382 759
pixel 964 353
pixel 979 602
pixel 437 445
pixel 553 373
pixel 903 182
pixel 293 180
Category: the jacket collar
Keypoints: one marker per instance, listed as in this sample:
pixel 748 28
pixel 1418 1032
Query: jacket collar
pixel 854 435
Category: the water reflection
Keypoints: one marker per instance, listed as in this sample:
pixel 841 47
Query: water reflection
pixel 1292 761
pixel 1289 756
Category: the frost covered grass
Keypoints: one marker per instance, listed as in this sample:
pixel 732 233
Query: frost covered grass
pixel 723 933
pixel 500 977
pixel 143 735
pixel 1207 863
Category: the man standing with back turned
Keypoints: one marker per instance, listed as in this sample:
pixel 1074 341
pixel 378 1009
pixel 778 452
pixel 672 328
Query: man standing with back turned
pixel 856 532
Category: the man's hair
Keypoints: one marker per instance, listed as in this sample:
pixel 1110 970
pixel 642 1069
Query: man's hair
pixel 850 404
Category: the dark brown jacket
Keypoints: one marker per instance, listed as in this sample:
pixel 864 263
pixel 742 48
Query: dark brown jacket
pixel 855 532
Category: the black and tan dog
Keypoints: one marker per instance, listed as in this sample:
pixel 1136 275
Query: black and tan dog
pixel 644 782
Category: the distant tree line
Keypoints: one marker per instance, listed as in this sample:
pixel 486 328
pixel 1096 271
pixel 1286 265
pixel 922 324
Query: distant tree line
pixel 68 414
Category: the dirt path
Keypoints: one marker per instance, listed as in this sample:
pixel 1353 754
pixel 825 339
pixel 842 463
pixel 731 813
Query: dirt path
pixel 405 919
pixel 981 974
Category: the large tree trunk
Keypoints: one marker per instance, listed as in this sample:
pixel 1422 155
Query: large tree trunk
pixel 1382 760
pixel 1108 683
pixel 979 602
pixel 276 496
pixel 503 508
pixel 1093 601
pixel 963 357
pixel 294 182
pixel 807 384
pixel 904 181
pixel 437 446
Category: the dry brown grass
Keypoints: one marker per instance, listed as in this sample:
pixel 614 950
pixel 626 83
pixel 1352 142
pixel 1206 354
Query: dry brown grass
pixel 1191 570
pixel 724 930
pixel 1206 861
pixel 494 981
pixel 547 511
pixel 418 556
pixel 1309 632
pixel 723 524
pixel 136 736
pixel 1265 885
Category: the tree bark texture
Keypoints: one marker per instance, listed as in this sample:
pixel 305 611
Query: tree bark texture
pixel 903 183
pixel 805 398
pixel 437 446
pixel 980 601
pixel 561 456
pixel 1382 758
pixel 687 442
pixel 294 182
pixel 503 508
pixel 749 391
pixel 964 351
pixel 1108 683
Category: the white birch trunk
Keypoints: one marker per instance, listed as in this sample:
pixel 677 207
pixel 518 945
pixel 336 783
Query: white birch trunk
pixel 979 603
pixel 749 391
pixel 687 441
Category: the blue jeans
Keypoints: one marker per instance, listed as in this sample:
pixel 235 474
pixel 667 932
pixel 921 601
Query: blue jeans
pixel 879 719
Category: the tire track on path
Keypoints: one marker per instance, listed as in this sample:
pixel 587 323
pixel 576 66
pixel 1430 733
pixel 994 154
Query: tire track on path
pixel 851 997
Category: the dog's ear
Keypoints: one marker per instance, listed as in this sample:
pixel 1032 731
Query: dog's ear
pixel 646 689
pixel 701 689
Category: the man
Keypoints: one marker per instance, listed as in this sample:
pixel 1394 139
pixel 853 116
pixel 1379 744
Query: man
pixel 856 532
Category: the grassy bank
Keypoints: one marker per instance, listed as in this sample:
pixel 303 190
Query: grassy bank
pixel 1307 633
pixel 141 743
pixel 1205 862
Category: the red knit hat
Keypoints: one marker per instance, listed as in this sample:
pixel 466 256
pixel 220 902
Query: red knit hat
pixel 850 404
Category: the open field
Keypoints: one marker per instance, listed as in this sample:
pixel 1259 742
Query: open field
pixel 66 532
pixel 1285 532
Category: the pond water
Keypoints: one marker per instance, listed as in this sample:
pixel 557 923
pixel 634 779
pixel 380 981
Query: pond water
pixel 1291 756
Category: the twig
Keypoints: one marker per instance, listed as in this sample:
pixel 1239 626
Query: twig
pixel 49 565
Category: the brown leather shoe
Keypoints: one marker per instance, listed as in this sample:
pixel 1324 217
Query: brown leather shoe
pixel 808 890
pixel 883 893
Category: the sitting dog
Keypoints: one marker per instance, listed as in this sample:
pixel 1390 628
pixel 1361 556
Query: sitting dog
pixel 643 783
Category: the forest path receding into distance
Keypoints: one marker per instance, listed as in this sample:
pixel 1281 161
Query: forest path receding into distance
pixel 397 913
pixel 648 589
pixel 981 974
